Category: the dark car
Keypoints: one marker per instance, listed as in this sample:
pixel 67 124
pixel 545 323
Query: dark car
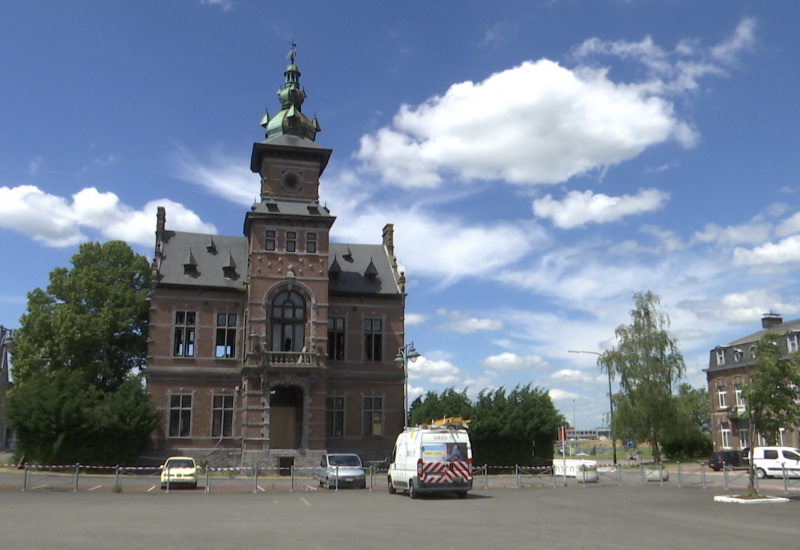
pixel 731 459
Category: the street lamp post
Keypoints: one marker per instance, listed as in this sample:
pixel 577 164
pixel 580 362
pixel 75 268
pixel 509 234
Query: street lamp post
pixel 6 343
pixel 405 353
pixel 610 405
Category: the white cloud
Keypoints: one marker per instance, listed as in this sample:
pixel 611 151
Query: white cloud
pixel 560 395
pixel 58 222
pixel 226 177
pixel 579 208
pixel 435 371
pixel 507 361
pixel 789 226
pixel 745 307
pixel 463 323
pixel 784 251
pixel 556 123
pixel 574 376
pixel 750 233
pixel 225 5
pixel 414 319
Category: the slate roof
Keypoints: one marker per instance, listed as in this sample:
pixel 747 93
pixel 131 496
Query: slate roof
pixel 201 260
pixel 782 328
pixel 212 260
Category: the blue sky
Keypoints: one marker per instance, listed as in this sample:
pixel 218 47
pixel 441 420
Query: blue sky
pixel 540 160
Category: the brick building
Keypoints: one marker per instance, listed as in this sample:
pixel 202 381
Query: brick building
pixel 727 371
pixel 274 347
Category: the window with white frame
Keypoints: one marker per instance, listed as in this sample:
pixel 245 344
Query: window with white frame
pixel 739 398
pixel 744 438
pixel 720 357
pixel 726 438
pixel 722 397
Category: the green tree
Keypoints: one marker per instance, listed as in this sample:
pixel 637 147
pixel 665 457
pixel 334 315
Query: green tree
pixel 771 395
pixel 75 395
pixel 514 428
pixel 434 406
pixel 649 366
pixel 689 435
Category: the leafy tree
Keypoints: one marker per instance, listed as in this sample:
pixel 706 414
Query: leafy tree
pixel 518 427
pixel 649 366
pixel 771 395
pixel 504 425
pixel 433 406
pixel 74 395
pixel 689 436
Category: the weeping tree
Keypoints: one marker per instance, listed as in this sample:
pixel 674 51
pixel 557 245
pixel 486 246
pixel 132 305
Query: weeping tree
pixel 649 366
pixel 771 395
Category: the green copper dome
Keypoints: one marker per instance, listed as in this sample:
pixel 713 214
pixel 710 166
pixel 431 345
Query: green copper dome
pixel 290 120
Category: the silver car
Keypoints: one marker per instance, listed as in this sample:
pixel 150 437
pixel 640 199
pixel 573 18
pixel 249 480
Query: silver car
pixel 342 470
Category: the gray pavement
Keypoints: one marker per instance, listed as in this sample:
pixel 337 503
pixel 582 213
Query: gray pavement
pixel 632 516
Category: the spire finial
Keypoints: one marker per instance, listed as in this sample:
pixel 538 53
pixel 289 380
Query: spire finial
pixel 292 52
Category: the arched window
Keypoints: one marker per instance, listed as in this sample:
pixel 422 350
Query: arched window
pixel 288 322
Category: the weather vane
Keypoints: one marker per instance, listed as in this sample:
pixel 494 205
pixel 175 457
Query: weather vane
pixel 292 52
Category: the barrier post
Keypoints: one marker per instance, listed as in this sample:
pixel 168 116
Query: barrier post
pixel 25 478
pixel 486 477
pixel 553 473
pixel 785 480
pixel 166 490
pixel 618 469
pixel 583 473
pixel 725 475
pixel 370 477
pixel 703 475
pixel 255 478
pixel 679 474
pixel 291 478
pixel 116 475
pixel 207 487
pixel 77 473
pixel 337 478
pixel 642 474
pixel 516 470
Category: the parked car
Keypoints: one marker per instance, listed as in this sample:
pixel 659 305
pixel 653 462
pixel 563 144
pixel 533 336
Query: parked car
pixel 341 470
pixel 771 461
pixel 179 471
pixel 731 459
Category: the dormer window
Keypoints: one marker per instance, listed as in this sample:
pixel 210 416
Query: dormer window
pixel 720 357
pixel 189 264
pixel 371 273
pixel 737 355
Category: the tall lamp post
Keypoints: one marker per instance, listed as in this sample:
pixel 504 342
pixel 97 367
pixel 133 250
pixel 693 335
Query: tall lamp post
pixel 405 353
pixel 6 343
pixel 610 405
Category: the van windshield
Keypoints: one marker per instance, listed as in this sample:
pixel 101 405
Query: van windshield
pixel 344 460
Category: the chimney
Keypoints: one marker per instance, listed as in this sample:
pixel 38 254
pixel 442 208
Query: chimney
pixel 388 238
pixel 769 320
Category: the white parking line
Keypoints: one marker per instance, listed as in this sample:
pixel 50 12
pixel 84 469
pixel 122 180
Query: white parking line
pixel 306 502
pixel 151 488
pixel 95 487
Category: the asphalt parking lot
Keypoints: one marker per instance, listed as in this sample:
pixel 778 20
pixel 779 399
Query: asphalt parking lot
pixel 632 516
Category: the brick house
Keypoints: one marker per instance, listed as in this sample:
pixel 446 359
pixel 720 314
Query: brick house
pixel 274 347
pixel 728 368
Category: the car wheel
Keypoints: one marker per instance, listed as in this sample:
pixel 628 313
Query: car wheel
pixel 716 468
pixel 413 492
pixel 392 490
pixel 760 474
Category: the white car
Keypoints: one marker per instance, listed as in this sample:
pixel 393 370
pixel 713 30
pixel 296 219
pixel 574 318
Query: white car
pixel 771 461
pixel 179 471
pixel 341 470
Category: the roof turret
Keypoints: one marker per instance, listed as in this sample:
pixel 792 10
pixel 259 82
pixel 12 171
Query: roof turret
pixel 290 120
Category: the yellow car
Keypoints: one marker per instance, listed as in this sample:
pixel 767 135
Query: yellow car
pixel 179 471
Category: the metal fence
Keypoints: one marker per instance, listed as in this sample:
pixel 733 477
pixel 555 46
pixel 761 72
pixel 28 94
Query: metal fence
pixel 258 479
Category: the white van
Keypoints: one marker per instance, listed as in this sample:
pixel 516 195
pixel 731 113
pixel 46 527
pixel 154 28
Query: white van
pixel 770 461
pixel 432 458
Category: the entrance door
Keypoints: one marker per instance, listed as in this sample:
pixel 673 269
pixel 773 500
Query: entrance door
pixel 285 417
